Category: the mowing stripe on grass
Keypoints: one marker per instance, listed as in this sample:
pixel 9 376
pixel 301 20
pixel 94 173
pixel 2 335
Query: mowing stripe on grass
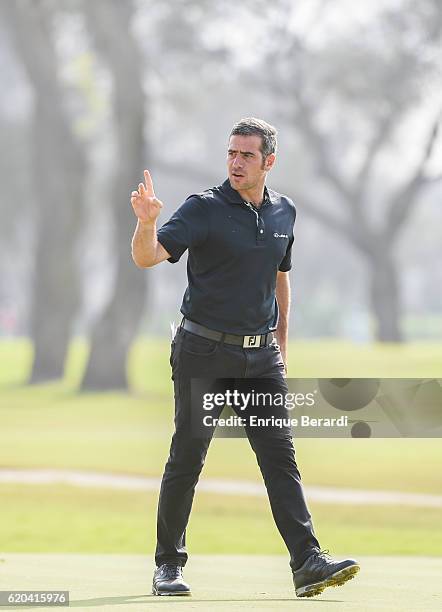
pixel 329 495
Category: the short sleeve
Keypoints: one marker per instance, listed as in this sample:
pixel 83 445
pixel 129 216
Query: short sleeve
pixel 187 227
pixel 286 263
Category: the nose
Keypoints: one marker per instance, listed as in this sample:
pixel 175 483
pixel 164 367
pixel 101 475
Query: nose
pixel 236 163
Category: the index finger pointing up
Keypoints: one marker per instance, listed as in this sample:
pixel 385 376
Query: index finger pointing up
pixel 149 184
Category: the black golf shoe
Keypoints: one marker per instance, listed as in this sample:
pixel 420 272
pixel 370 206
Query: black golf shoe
pixel 168 580
pixel 320 571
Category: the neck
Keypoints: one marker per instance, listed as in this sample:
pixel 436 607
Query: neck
pixel 254 195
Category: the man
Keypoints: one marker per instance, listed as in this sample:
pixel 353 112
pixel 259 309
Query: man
pixel 239 236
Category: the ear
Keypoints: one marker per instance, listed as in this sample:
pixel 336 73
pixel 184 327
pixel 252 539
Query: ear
pixel 270 160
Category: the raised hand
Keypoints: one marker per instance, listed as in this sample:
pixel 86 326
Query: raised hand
pixel 146 206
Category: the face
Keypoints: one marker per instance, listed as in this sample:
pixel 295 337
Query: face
pixel 246 166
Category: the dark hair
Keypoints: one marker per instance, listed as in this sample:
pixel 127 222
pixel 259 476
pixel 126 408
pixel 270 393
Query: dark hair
pixel 250 126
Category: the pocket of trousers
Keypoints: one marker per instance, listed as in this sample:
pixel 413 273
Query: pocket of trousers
pixel 173 360
pixel 199 346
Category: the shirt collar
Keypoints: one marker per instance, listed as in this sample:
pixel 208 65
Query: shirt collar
pixel 235 198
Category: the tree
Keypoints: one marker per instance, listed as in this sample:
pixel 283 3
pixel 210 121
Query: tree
pixel 109 22
pixel 56 185
pixel 323 92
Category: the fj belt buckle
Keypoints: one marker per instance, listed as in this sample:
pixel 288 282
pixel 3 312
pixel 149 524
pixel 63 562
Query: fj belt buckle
pixel 251 341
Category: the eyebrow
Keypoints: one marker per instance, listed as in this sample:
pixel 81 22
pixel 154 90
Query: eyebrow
pixel 242 152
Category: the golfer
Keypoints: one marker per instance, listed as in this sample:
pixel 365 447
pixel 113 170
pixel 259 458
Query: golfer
pixel 239 236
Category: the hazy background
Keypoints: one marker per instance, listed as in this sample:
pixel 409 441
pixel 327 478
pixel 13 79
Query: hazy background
pixel 93 92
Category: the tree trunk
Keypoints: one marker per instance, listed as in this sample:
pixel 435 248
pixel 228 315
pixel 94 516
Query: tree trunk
pixel 385 296
pixel 57 181
pixel 114 332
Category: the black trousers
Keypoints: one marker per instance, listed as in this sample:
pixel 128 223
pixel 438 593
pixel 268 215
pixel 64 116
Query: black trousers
pixel 197 357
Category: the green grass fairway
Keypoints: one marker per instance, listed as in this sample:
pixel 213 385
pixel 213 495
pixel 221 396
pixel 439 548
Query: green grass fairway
pixel 119 582
pixel 52 426
pixel 59 519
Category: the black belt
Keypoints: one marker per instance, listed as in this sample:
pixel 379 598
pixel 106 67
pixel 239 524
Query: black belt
pixel 255 341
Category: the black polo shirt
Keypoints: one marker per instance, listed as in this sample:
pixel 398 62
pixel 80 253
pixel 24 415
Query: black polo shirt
pixel 235 251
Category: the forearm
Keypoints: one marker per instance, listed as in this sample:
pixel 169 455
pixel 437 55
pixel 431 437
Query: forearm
pixel 144 244
pixel 283 296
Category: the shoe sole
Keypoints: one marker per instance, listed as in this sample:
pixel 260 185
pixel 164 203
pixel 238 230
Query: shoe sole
pixel 169 594
pixel 336 579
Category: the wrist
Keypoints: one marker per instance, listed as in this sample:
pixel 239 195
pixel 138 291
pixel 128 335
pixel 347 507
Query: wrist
pixel 147 224
pixel 282 336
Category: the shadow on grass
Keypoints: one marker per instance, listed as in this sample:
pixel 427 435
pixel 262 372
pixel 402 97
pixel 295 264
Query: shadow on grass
pixel 148 598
